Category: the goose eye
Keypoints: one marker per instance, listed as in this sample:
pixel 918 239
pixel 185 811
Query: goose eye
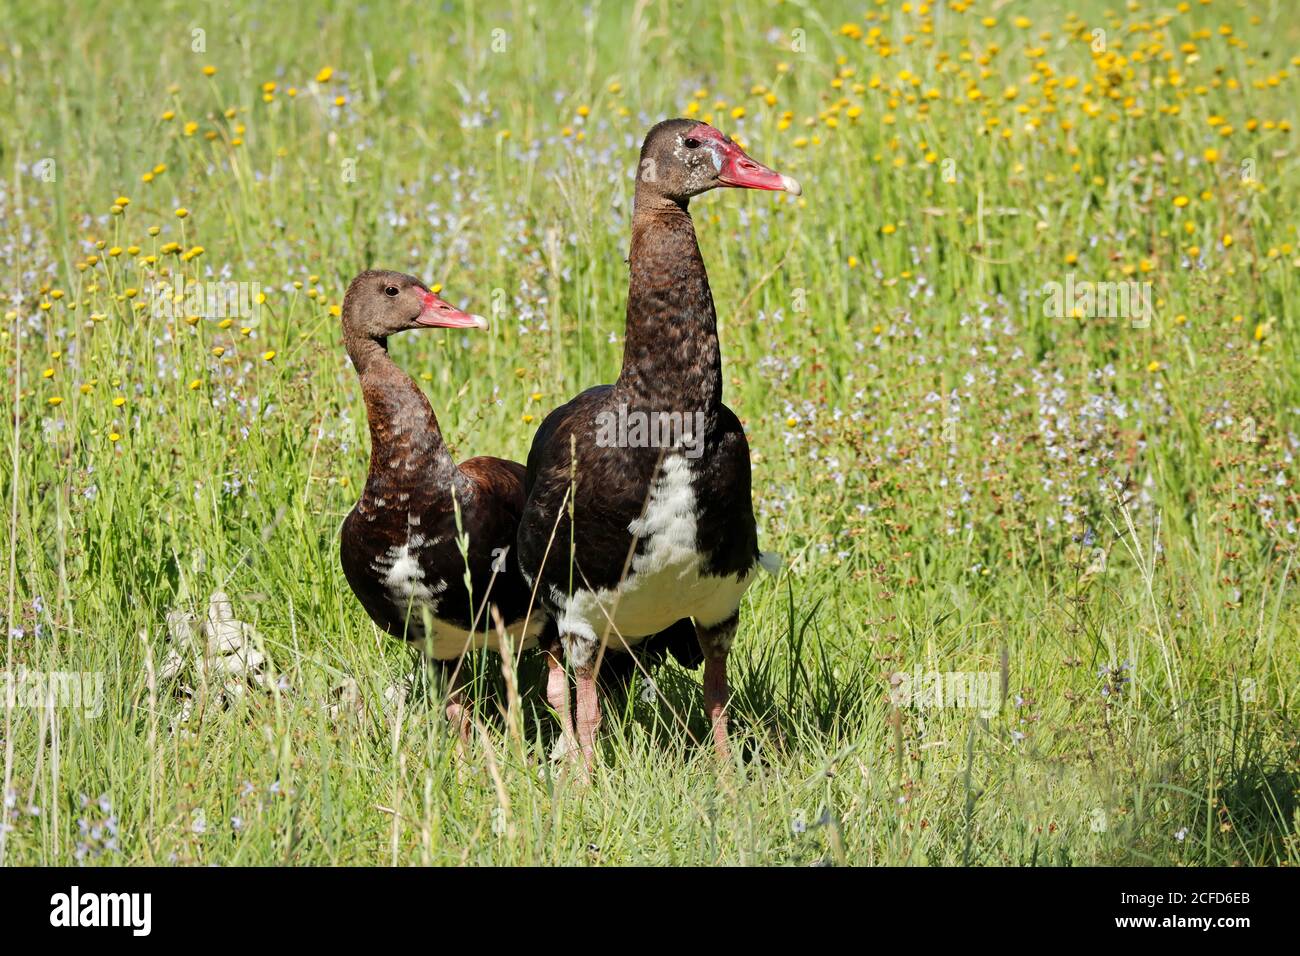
pixel 391 292
pixel 691 143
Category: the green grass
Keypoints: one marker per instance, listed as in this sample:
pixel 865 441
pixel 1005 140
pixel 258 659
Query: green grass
pixel 1105 514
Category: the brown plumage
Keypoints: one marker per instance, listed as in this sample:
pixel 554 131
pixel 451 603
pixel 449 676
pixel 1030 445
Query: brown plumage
pixel 662 532
pixel 398 546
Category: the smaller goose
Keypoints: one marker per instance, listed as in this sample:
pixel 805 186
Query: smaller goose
pixel 399 544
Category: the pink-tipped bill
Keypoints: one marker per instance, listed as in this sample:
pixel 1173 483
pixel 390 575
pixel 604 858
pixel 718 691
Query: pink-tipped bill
pixel 439 314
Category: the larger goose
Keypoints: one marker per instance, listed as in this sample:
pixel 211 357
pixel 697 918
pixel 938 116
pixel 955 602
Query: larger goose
pixel 654 468
pixel 399 544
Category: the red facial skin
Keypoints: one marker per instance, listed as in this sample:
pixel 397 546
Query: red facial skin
pixel 738 169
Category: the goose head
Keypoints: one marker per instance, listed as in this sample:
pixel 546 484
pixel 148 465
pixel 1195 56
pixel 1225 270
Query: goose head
pixel 681 158
pixel 381 303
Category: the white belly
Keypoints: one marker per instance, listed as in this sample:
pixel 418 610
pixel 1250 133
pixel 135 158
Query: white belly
pixel 665 582
pixel 444 642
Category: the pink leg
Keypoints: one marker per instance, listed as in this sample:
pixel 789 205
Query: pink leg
pixel 588 712
pixel 716 643
pixel 458 713
pixel 557 695
pixel 460 708
pixel 716 694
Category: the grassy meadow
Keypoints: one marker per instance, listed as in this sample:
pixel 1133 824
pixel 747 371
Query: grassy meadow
pixel 1040 600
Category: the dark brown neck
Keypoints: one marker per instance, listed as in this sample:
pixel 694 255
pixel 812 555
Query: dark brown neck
pixel 671 359
pixel 406 446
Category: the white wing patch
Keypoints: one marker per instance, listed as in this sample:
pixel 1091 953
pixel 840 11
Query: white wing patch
pixel 403 578
pixel 669 521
